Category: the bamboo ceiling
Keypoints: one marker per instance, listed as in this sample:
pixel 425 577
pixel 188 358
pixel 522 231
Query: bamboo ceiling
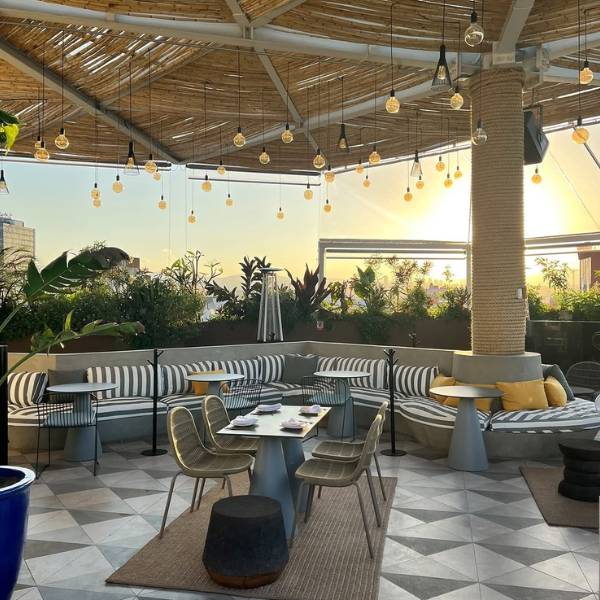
pixel 102 62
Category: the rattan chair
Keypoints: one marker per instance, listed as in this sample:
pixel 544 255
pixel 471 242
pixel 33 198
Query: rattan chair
pixel 323 391
pixel 64 411
pixel 585 374
pixel 241 394
pixel 351 451
pixel 216 418
pixel 335 473
pixel 197 461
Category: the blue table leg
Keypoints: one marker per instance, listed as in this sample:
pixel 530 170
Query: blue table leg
pixel 467 449
pixel 294 457
pixel 340 424
pixel 270 478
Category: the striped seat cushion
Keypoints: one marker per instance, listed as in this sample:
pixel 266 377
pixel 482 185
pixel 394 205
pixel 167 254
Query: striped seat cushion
pixel 370 397
pixel 327 363
pixel 268 393
pixel 577 415
pixel 190 401
pixel 413 381
pixel 375 367
pixel 432 413
pixel 132 381
pixel 284 389
pixel 25 388
pixel 271 367
pixel 248 367
pixel 174 377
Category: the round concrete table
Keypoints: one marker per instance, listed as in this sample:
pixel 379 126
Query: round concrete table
pixel 214 380
pixel 467 450
pixel 338 426
pixel 79 445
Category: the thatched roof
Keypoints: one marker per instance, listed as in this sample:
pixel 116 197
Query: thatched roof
pixel 193 46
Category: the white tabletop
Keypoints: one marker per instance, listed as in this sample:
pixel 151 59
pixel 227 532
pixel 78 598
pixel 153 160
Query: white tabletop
pixel 269 425
pixel 212 377
pixel 81 388
pixel 341 374
pixel 465 392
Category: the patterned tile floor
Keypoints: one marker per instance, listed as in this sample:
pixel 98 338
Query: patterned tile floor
pixel 451 535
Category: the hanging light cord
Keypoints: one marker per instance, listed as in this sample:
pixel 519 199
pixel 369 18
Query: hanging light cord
pixel 287 95
pixel 328 114
pixel 392 42
pixel 43 89
pixel 375 114
pixel 262 102
pixel 62 80
pixel 579 56
pixel 220 145
pixel 342 78
pixel 239 90
pixel 130 111
pixel 204 107
pixel 308 126
pixel 150 97
pixel 444 21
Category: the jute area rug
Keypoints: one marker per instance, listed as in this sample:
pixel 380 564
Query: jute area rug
pixel 556 509
pixel 329 559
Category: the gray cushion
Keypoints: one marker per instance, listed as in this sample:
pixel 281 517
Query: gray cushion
pixel 296 367
pixel 58 377
pixel 556 372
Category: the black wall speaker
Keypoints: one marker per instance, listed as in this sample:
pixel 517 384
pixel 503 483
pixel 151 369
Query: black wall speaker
pixel 536 142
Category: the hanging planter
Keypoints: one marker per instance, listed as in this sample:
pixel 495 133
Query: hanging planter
pixel 9 130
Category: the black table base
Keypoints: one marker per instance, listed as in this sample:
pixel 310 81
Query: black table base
pixel 392 452
pixel 154 452
pixel 581 478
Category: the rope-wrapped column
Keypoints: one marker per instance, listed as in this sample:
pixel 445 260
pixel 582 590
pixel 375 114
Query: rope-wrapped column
pixel 497 209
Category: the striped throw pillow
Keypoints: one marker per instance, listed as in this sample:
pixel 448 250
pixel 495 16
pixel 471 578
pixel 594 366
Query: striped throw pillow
pixel 174 377
pixel 271 367
pixel 414 381
pixel 327 363
pixel 131 380
pixel 248 367
pixel 375 367
pixel 25 388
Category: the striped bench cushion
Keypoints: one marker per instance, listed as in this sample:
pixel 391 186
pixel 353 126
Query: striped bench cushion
pixel 577 415
pixel 413 381
pixel 430 412
pixel 174 381
pixel 248 367
pixel 271 367
pixel 190 401
pixel 25 388
pixel 375 367
pixel 327 363
pixel 132 381
pixel 371 398
pixel 284 389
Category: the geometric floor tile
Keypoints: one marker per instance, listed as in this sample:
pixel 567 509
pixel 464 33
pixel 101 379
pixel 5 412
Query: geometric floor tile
pixel 425 588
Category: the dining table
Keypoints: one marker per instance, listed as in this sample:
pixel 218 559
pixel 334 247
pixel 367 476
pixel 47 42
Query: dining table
pixel 279 455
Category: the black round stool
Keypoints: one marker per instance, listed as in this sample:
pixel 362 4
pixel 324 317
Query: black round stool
pixel 581 479
pixel 245 545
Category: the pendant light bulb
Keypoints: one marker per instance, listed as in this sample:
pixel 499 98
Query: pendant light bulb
pixel 191 217
pixel 408 195
pixel 456 100
pixel 61 141
pixel 374 157
pixel 308 193
pixel 95 193
pixel 3 184
pixel 117 186
pixel 343 140
pixel 41 153
pixel 150 165
pixel 280 215
pixel 440 165
pixel 458 173
pixel 318 160
pixel 239 141
pixel 221 168
pixel 264 158
pixel 474 33
pixel 586 75
pixel 38 143
pixel 329 175
pixel 581 135
pixel 366 181
pixel 448 181
pixel 228 200
pixel 96 202
pixel 360 168
pixel 287 137
pixel 536 177
pixel 442 77
pixel 479 136
pixel 392 105
pixel 416 169
pixel 420 183
pixel 156 176
pixel 162 203
pixel 206 184
pixel 131 167
pixel 327 206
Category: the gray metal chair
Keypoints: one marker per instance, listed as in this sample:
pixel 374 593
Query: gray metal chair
pixel 323 391
pixel 197 461
pixel 335 473
pixel 241 395
pixel 585 374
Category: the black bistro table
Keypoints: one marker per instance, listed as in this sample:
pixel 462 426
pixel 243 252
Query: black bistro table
pixel 582 469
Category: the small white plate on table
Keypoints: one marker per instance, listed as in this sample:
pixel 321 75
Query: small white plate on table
pixel 267 408
pixel 310 411
pixel 244 421
pixel 293 424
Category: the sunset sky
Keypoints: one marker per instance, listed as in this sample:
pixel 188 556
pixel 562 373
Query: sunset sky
pixel 55 200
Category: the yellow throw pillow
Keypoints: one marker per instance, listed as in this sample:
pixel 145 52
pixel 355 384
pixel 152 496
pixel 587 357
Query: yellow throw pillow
pixel 523 395
pixel 484 404
pixel 201 387
pixel 555 392
pixel 441 380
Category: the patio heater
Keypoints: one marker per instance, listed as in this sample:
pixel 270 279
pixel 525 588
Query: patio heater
pixel 269 318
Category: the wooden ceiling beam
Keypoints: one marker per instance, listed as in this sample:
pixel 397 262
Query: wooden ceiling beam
pixel 275 12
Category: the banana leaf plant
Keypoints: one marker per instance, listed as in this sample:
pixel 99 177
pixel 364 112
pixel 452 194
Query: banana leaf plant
pixel 9 130
pixel 62 276
pixel 310 292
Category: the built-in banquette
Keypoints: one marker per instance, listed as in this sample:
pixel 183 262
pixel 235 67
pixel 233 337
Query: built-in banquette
pixel 126 412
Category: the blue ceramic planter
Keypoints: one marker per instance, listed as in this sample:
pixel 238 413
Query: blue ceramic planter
pixel 14 503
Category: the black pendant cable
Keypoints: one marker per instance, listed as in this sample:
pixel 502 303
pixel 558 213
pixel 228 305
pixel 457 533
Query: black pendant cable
pixel 391 104
pixel 343 139
pixel 442 77
pixel 131 167
pixel 239 141
pixel 150 165
pixel 61 141
pixel 287 137
pixel 580 135
pixel 308 193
